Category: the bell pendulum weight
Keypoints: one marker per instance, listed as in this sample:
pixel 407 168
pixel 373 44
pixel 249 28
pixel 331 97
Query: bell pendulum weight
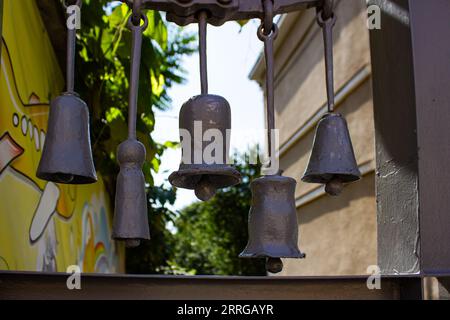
pixel 272 225
pixel 202 114
pixel 332 161
pixel 66 155
pixel 131 214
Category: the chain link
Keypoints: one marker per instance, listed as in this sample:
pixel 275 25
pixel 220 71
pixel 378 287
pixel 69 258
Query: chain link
pixel 267 23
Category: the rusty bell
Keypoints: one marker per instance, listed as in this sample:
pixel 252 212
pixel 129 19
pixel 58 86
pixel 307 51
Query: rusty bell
pixel 332 160
pixel 272 224
pixel 202 118
pixel 66 156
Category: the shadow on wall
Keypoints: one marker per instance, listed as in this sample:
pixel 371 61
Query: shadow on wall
pixel 354 191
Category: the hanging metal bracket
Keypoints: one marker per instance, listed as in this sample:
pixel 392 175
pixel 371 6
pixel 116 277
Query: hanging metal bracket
pixel 184 12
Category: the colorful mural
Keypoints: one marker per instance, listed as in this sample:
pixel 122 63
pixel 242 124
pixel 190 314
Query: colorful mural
pixel 43 226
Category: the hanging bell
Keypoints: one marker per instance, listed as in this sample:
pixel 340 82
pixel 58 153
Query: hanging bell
pixel 332 160
pixel 131 215
pixel 66 156
pixel 272 224
pixel 198 169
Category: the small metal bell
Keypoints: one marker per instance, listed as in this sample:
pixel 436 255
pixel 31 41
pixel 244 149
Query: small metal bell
pixel 332 160
pixel 272 224
pixel 131 215
pixel 209 112
pixel 66 156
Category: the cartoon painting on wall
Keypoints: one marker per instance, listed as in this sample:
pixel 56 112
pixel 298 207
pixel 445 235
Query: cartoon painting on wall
pixel 43 226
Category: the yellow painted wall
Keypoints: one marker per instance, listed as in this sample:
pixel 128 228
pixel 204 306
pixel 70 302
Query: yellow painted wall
pixel 43 226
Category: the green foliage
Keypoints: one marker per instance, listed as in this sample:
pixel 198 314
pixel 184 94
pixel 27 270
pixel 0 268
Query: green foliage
pixel 102 72
pixel 210 235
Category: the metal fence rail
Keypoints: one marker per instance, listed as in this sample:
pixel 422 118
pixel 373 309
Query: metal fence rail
pixel 35 285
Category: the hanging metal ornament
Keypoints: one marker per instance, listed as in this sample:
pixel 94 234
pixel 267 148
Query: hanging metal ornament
pixel 201 116
pixel 131 214
pixel 272 224
pixel 66 155
pixel 332 161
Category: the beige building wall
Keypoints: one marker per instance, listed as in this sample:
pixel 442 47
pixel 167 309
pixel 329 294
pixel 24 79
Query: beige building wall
pixel 338 234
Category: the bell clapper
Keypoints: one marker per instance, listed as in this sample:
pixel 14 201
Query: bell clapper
pixel 64 178
pixel 274 265
pixel 132 243
pixel 204 189
pixel 334 187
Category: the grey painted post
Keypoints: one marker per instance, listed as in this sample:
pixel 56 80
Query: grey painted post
pixel 431 52
pixel 411 87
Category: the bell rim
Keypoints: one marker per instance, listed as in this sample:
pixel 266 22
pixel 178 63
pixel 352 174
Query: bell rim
pixel 254 250
pixel 177 178
pixel 125 237
pixel 343 177
pixel 78 179
pixel 262 254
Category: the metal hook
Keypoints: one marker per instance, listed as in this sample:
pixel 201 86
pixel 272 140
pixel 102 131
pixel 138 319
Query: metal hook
pixel 326 8
pixel 131 25
pixel 136 12
pixel 268 16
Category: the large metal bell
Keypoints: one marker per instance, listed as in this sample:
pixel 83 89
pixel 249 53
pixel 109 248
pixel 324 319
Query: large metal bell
pixel 272 224
pixel 66 156
pixel 332 160
pixel 131 215
pixel 202 114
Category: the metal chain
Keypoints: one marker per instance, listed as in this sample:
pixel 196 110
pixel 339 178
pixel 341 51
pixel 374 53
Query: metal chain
pixel 267 33
pixel 136 45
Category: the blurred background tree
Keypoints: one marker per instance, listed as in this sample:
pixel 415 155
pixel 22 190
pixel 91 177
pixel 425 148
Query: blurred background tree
pixel 210 235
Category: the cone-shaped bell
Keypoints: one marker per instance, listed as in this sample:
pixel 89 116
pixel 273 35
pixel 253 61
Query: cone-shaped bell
pixel 66 156
pixel 272 223
pixel 204 121
pixel 131 215
pixel 332 160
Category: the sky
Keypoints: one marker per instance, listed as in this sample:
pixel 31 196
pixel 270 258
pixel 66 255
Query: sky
pixel 232 53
